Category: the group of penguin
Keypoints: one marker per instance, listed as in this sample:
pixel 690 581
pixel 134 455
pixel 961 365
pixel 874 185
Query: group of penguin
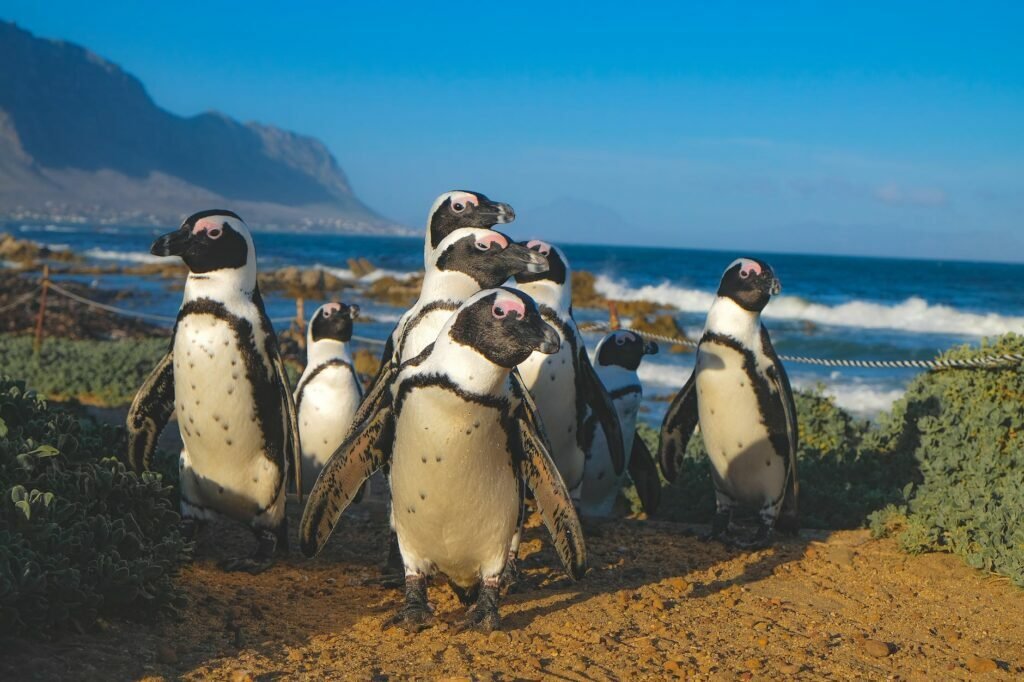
pixel 486 396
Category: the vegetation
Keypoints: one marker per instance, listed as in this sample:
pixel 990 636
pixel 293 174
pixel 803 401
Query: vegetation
pixel 93 372
pixel 965 431
pixel 80 536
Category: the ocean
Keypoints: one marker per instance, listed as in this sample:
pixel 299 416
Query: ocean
pixel 830 307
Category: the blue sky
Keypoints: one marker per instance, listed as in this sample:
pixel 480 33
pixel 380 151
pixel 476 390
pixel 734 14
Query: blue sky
pixel 842 127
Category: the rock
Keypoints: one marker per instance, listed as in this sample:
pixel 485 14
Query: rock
pixel 678 584
pixel 672 666
pixel 499 638
pixel 841 556
pixel 753 664
pixel 789 668
pixel 534 662
pixel 658 604
pixel 295 655
pixel 241 675
pixel 165 653
pixel 876 648
pixel 980 665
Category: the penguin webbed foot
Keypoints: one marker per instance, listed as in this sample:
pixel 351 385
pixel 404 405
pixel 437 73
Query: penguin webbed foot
pixel 761 539
pixel 267 547
pixel 483 616
pixel 719 528
pixel 510 574
pixel 416 614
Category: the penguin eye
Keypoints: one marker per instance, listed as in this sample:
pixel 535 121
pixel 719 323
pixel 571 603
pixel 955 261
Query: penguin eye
pixel 744 274
pixel 326 314
pixel 215 233
pixel 483 246
pixel 499 312
pixel 620 340
pixel 458 207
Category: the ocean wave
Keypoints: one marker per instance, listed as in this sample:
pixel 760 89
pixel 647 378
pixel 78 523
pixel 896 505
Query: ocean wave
pixel 67 229
pixel 129 256
pixel 860 398
pixel 915 314
pixel 379 273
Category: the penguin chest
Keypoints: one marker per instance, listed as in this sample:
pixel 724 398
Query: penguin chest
pixel 734 427
pixel 454 490
pixel 328 402
pixel 551 380
pixel 226 467
pixel 421 332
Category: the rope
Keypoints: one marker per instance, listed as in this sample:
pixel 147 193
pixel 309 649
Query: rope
pixel 986 362
pixel 21 299
pixel 132 313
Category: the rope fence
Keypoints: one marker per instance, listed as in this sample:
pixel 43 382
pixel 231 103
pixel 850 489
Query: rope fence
pixel 987 362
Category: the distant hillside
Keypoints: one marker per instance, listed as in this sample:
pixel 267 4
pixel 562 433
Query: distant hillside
pixel 80 139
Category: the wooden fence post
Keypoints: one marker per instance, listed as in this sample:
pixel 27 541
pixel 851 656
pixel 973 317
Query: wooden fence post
pixel 613 316
pixel 37 344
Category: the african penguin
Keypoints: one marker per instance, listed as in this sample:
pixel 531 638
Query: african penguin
pixel 329 391
pixel 616 359
pixel 740 395
pixel 564 384
pixel 225 379
pixel 462 437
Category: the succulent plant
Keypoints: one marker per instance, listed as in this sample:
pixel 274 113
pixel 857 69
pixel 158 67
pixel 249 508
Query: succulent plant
pixel 80 535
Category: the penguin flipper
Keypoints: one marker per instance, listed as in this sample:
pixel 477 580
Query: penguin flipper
pixel 149 413
pixel 644 473
pixel 364 450
pixel 788 520
pixel 291 425
pixel 540 474
pixel 602 406
pixel 677 428
pixel 377 391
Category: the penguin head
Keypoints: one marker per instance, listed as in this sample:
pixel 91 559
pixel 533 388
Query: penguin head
pixel 208 241
pixel 333 321
pixel 487 256
pixel 558 264
pixel 750 283
pixel 504 325
pixel 623 349
pixel 458 208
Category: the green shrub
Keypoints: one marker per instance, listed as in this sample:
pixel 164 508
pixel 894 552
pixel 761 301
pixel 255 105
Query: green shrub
pixel 80 536
pixel 94 372
pixel 839 485
pixel 965 429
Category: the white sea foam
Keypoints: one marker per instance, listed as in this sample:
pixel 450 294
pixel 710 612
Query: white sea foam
pixel 129 256
pixel 379 273
pixel 861 398
pixel 915 314
pixel 50 228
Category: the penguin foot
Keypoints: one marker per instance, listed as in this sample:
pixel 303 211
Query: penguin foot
pixel 761 540
pixel 267 546
pixel 483 616
pixel 510 574
pixel 416 614
pixel 719 528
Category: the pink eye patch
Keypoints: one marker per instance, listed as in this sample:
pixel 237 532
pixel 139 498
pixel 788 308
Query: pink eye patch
pixel 537 245
pixel 464 198
pixel 504 306
pixel 749 267
pixel 331 308
pixel 483 243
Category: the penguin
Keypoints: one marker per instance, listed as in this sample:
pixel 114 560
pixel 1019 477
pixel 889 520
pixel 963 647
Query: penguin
pixel 616 360
pixel 564 385
pixel 462 438
pixel 225 378
pixel 740 395
pixel 328 392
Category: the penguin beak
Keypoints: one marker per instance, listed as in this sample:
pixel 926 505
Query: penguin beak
pixel 530 260
pixel 498 212
pixel 650 348
pixel 776 288
pixel 551 343
pixel 173 243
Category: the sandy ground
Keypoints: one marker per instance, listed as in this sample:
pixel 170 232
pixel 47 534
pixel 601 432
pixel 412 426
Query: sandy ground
pixel 657 603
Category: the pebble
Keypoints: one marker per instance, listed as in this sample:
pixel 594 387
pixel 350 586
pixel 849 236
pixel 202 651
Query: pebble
pixel 241 675
pixel 876 648
pixel 658 604
pixel 534 662
pixel 166 654
pixel 789 668
pixel 499 638
pixel 979 664
pixel 752 664
pixel 680 585
pixel 295 655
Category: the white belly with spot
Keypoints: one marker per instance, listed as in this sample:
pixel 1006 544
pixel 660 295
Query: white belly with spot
pixel 552 383
pixel 600 483
pixel 734 434
pixel 224 467
pixel 454 492
pixel 329 401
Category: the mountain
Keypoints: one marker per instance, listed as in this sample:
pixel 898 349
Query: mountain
pixel 80 139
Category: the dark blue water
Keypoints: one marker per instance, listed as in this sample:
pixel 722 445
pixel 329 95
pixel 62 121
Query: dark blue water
pixel 831 306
